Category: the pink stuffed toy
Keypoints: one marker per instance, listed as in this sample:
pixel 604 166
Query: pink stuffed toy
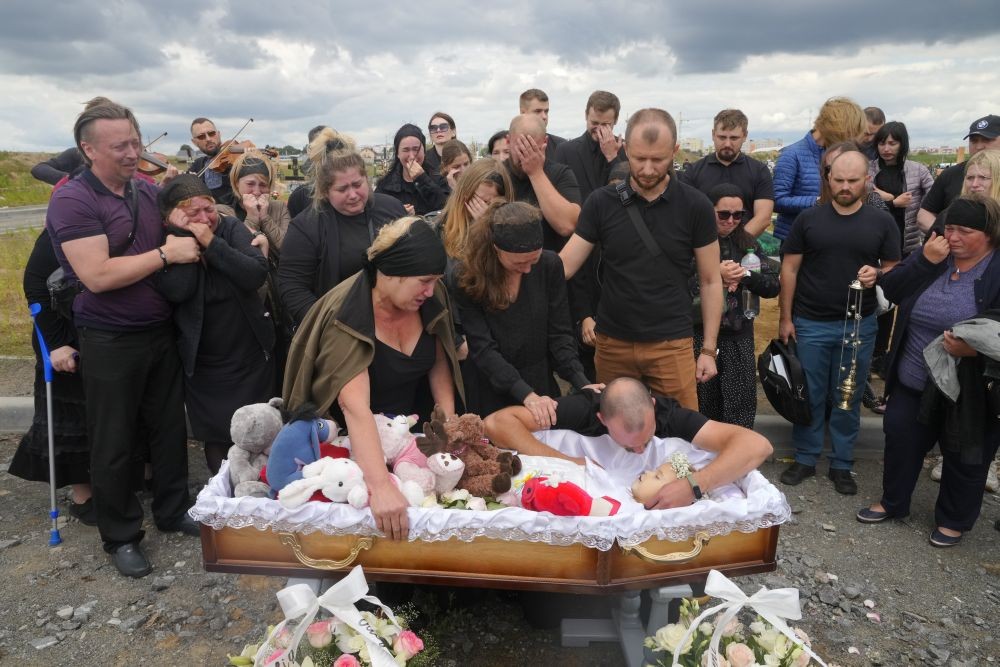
pixel 401 453
pixel 544 494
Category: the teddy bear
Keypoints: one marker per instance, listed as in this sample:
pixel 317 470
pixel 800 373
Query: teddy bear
pixel 252 429
pixel 487 469
pixel 297 445
pixel 447 469
pixel 401 453
pixel 340 481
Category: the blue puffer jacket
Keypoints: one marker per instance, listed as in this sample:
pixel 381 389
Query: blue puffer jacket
pixel 796 182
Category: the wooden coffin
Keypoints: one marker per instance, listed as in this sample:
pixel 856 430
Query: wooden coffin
pixel 490 563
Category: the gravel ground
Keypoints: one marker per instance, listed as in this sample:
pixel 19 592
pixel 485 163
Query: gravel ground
pixel 871 595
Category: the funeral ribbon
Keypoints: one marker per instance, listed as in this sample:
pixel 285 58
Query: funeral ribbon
pixel 772 606
pixel 299 602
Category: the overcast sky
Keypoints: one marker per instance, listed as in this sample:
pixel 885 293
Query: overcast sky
pixel 367 67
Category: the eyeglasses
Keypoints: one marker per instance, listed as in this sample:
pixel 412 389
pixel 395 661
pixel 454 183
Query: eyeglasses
pixel 205 135
pixel 725 215
pixel 443 127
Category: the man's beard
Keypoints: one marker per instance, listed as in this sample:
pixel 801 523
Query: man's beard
pixel 727 154
pixel 846 198
pixel 212 152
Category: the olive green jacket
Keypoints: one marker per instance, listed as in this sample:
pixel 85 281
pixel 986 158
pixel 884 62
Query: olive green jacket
pixel 336 341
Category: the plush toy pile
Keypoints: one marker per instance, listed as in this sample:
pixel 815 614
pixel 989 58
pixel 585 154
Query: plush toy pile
pixel 305 460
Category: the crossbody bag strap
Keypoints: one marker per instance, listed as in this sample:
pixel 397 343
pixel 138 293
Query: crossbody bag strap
pixel 625 195
pixel 132 204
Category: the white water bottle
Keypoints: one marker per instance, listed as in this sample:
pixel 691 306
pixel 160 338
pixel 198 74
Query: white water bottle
pixel 751 302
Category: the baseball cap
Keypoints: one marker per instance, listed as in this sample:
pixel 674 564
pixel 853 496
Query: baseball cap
pixel 987 126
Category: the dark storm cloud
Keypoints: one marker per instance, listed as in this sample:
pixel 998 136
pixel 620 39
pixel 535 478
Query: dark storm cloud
pixel 101 37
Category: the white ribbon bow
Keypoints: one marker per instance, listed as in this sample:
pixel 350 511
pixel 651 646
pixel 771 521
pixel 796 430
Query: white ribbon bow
pixel 772 606
pixel 299 602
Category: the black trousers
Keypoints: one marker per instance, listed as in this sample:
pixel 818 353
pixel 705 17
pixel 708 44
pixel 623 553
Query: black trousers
pixel 907 442
pixel 134 388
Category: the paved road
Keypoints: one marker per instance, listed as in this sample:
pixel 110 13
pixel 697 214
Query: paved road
pixel 22 217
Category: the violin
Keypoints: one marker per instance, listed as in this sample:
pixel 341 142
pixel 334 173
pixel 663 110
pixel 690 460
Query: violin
pixel 153 164
pixel 226 158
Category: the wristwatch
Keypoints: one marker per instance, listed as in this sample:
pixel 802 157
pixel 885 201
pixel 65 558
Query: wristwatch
pixel 746 273
pixel 710 353
pixel 694 487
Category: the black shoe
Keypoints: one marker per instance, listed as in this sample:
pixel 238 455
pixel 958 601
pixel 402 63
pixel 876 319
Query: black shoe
pixel 185 525
pixel 84 512
pixel 130 561
pixel 797 472
pixel 868 515
pixel 942 541
pixel 843 482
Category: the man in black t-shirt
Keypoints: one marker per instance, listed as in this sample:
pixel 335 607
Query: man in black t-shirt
pixel 728 164
pixel 541 182
pixel 828 248
pixel 644 323
pixel 984 133
pixel 627 412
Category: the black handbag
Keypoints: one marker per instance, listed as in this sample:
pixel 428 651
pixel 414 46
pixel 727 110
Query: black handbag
pixel 784 381
pixel 63 290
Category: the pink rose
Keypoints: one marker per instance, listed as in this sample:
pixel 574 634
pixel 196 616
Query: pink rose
pixel 319 634
pixel 274 657
pixel 407 644
pixel 740 655
pixel 346 660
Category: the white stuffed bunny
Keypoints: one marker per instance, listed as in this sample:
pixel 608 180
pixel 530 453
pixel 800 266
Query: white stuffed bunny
pixel 447 469
pixel 341 481
pixel 401 452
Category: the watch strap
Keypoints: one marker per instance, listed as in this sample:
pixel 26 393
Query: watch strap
pixel 694 487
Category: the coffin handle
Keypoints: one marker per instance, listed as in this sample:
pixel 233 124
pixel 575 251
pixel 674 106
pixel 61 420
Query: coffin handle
pixel 292 540
pixel 700 540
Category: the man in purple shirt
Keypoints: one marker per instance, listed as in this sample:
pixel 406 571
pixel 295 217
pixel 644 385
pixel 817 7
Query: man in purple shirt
pixel 107 232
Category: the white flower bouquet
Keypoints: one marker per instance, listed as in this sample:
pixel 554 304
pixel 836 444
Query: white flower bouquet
pixel 695 641
pixel 346 638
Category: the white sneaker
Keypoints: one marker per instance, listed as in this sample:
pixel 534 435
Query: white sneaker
pixel 992 482
pixel 936 470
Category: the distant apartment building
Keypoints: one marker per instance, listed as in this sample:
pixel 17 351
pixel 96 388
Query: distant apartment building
pixel 754 145
pixel 692 145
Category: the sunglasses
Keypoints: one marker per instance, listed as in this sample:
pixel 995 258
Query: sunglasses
pixel 443 127
pixel 205 135
pixel 725 215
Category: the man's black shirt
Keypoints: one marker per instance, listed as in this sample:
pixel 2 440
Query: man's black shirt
pixel 751 176
pixel 578 412
pixel 565 184
pixel 583 155
pixel 947 186
pixel 645 298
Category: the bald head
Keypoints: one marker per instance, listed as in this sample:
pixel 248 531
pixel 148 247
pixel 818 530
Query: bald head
pixel 528 124
pixel 628 400
pixel 849 162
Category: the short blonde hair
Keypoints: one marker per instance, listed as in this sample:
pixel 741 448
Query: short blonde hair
pixel 840 119
pixel 388 235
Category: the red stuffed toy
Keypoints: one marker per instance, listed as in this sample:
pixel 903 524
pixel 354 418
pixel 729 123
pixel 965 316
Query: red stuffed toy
pixel 564 499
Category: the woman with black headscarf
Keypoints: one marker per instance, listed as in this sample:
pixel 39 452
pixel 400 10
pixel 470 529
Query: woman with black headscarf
pixel 407 180
pixel 514 311
pixel 901 183
pixel 225 338
pixel 381 341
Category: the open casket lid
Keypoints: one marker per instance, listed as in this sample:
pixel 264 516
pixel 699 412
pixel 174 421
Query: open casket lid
pixel 760 505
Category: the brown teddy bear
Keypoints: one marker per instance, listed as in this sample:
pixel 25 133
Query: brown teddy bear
pixel 487 469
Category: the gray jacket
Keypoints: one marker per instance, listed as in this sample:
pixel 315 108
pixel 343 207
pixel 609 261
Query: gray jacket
pixel 918 182
pixel 981 333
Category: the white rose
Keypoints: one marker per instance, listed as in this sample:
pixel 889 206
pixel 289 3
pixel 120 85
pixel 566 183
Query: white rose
pixel 669 638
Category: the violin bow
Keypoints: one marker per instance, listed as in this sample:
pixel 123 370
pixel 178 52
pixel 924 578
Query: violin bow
pixel 146 148
pixel 223 148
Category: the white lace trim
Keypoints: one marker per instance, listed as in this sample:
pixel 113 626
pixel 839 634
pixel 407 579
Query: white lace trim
pixel 750 504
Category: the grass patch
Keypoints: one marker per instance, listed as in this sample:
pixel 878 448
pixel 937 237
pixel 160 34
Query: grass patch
pixel 15 322
pixel 17 186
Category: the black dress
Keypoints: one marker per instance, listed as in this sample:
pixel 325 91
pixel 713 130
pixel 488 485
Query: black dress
pixel 398 382
pixel 513 352
pixel 31 460
pixel 231 370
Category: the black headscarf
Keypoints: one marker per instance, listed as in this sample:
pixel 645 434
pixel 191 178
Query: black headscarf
pixel 418 252
pixel 181 188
